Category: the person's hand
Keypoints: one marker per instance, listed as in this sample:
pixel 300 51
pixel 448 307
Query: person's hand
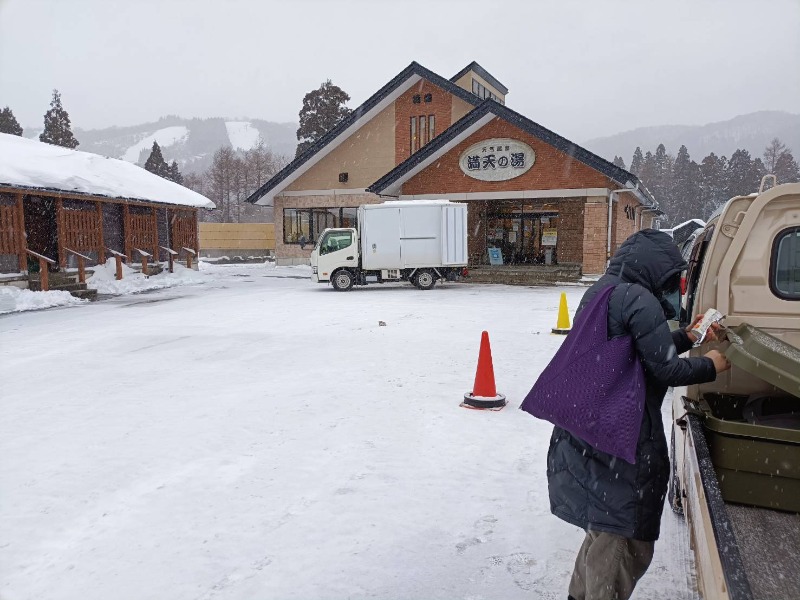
pixel 721 362
pixel 711 333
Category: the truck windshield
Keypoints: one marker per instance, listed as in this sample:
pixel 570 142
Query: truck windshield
pixel 335 240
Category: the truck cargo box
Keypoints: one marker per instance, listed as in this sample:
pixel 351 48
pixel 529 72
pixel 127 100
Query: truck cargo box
pixel 757 456
pixel 413 234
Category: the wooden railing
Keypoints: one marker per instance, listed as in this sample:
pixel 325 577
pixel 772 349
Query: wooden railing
pixel 44 282
pixel 145 256
pixel 171 254
pixel 119 257
pixel 189 254
pixel 82 258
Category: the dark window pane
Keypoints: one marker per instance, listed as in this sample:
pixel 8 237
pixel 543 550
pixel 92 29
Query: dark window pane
pixel 785 267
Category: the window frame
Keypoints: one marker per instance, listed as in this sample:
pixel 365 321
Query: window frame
pixel 793 231
pixel 423 130
pixel 413 129
pixel 313 215
pixel 431 126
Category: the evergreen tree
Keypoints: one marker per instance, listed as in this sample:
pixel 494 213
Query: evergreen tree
pixel 683 193
pixel 322 110
pixel 712 184
pixel 156 164
pixel 175 174
pixel 648 171
pixel 662 173
pixel 786 169
pixel 8 122
pixel 637 161
pixel 618 161
pixel 743 174
pixel 771 154
pixel 57 126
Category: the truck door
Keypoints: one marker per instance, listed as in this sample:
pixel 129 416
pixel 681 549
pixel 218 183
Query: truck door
pixel 380 239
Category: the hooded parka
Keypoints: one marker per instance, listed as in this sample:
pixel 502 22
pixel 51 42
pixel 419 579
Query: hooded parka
pixel 592 489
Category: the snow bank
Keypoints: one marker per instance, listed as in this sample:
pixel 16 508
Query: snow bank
pixel 14 299
pixel 30 164
pixel 104 279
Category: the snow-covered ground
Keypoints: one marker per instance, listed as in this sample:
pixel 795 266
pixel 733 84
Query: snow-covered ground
pixel 255 435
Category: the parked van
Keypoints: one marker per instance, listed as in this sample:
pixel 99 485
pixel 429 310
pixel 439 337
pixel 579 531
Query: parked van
pixel 736 441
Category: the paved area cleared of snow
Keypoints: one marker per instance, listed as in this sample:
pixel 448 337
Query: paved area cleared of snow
pixel 255 435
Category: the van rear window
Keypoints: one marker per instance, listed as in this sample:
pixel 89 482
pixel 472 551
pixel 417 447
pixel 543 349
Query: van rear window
pixel 784 268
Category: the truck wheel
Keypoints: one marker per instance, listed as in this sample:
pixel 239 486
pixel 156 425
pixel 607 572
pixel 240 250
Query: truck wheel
pixel 424 279
pixel 674 492
pixel 342 280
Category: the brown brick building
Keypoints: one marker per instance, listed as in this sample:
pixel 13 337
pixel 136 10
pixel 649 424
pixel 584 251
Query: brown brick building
pixel 534 197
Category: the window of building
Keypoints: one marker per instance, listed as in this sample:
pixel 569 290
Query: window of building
pixel 416 99
pixel 431 126
pixel 784 267
pixel 349 217
pixel 308 223
pixel 428 97
pixel 413 134
pixel 423 131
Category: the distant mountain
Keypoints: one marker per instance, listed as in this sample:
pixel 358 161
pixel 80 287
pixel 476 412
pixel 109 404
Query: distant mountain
pixel 751 132
pixel 190 142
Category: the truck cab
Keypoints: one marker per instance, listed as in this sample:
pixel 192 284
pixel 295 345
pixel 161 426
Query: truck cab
pixel 335 248
pixel 736 472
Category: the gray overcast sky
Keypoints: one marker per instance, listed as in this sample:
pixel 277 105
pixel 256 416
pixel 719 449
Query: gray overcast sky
pixel 583 69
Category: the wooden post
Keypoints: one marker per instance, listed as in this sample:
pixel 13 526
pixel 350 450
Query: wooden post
pixel 44 282
pixel 196 232
pixel 171 262
pixel 101 248
pixel 81 269
pixel 155 233
pixel 119 266
pixel 188 260
pixel 144 265
pixel 127 231
pixel 22 236
pixel 62 257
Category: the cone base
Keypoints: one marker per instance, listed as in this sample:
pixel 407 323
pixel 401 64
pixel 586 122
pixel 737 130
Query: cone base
pixel 484 403
pixel 558 331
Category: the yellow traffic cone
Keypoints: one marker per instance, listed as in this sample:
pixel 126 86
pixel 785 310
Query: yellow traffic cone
pixel 562 325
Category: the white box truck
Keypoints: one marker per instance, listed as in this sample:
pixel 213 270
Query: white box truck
pixel 420 241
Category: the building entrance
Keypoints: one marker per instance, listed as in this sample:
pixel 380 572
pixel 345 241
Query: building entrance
pixel 524 234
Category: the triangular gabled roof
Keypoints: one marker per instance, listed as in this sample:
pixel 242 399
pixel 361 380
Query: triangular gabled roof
pixel 479 70
pixel 390 183
pixel 371 107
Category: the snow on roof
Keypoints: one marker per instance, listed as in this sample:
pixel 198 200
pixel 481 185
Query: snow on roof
pixel 691 223
pixel 30 164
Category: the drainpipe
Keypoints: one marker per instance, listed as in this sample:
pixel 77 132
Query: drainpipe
pixel 610 206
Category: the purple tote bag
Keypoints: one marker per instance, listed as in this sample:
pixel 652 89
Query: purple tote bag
pixel 594 386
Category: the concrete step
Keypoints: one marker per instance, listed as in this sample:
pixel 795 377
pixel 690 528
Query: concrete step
pixel 86 294
pixel 525 275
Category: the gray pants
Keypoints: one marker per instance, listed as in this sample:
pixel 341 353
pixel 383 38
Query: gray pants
pixel 608 566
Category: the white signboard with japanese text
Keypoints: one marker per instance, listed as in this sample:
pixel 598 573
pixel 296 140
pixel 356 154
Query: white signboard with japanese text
pixel 549 237
pixel 497 159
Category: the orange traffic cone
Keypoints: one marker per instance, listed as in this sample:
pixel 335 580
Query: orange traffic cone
pixel 484 393
pixel 562 324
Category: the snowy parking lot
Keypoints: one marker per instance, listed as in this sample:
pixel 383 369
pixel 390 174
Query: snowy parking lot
pixel 254 435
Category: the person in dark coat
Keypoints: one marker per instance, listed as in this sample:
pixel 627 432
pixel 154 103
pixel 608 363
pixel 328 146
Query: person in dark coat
pixel 619 504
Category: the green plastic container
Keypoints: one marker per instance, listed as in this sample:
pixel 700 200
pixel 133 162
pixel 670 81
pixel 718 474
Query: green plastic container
pixel 757 465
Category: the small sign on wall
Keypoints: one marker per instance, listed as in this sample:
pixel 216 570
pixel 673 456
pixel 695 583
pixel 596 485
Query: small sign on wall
pixel 497 159
pixel 549 237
